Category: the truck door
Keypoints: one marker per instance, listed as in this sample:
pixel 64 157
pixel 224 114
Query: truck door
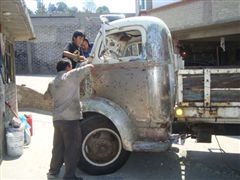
pixel 120 72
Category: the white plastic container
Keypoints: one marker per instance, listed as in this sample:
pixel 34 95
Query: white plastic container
pixel 15 141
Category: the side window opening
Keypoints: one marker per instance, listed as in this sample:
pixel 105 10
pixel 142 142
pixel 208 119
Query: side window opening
pixel 123 46
pixel 134 49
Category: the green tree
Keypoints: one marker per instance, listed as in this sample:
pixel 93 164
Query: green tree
pixel 73 10
pixel 30 12
pixel 89 6
pixel 102 9
pixel 62 7
pixel 40 8
pixel 52 8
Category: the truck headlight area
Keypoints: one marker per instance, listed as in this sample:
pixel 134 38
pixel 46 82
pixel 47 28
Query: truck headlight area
pixel 178 112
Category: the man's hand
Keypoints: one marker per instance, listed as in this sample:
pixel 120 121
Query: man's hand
pixel 84 60
pixel 74 57
pixel 79 58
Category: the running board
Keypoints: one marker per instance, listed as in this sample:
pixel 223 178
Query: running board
pixel 145 146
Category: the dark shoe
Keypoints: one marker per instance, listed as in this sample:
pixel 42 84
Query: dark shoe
pixel 52 175
pixel 74 178
pixel 78 178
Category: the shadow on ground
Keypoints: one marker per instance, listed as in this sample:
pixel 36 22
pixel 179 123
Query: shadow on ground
pixel 212 165
pixel 146 166
pixel 168 165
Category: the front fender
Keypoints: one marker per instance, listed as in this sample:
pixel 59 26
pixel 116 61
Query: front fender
pixel 114 113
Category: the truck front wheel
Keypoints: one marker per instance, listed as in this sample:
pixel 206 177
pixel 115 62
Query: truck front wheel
pixel 101 148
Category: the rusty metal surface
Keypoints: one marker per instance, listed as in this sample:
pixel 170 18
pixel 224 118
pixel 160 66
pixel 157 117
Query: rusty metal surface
pixel 194 120
pixel 224 88
pixel 142 88
pixel 126 84
pixel 200 112
pixel 210 96
pixel 160 93
pixel 129 85
pixel 144 146
pixel 212 115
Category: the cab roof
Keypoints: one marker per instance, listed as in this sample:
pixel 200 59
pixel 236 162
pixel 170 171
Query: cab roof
pixel 144 21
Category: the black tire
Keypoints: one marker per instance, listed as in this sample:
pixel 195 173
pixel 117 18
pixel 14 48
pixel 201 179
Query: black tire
pixel 101 147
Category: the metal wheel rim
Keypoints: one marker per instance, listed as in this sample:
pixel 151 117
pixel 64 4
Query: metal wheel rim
pixel 93 132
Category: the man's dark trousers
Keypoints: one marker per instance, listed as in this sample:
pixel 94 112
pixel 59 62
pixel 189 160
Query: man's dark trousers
pixel 66 146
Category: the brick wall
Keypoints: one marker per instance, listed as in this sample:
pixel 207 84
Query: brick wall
pixel 52 35
pixel 10 95
pixel 8 92
pixel 11 98
pixel 194 13
pixel 21 57
pixel 2 109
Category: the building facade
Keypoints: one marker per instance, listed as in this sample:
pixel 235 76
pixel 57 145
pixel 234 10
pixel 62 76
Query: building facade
pixel 205 33
pixel 144 5
pixel 15 25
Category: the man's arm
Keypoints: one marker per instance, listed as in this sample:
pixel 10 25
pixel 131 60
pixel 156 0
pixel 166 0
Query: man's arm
pixel 80 73
pixel 87 61
pixel 48 93
pixel 74 57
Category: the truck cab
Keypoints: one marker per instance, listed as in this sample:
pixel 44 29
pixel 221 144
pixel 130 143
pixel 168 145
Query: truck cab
pixel 139 96
pixel 131 90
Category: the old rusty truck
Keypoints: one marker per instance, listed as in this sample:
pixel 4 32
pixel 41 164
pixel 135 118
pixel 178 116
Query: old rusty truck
pixel 137 98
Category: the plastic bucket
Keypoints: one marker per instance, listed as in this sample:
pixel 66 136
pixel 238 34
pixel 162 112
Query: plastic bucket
pixel 30 122
pixel 15 141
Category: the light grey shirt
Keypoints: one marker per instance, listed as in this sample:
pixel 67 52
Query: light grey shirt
pixel 64 90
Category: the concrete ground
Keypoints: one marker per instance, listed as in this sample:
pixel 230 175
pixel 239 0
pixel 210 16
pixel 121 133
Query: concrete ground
pixel 189 162
pixel 193 161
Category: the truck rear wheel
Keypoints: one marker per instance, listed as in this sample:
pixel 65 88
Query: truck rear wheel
pixel 101 148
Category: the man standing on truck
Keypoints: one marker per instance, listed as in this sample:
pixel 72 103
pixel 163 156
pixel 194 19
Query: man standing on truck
pixel 64 90
pixel 72 51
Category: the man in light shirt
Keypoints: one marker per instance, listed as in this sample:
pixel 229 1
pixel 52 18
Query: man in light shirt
pixel 67 113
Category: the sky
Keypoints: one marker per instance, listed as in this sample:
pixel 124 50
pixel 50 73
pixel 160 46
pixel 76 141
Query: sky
pixel 115 6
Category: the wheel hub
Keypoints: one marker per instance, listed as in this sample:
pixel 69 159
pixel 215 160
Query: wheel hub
pixel 102 146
